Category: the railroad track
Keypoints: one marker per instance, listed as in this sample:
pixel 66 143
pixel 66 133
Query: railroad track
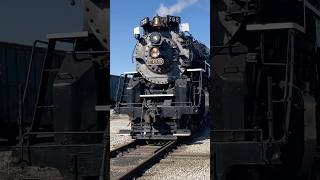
pixel 132 159
pixel 179 165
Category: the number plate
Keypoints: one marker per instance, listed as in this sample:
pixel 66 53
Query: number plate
pixel 158 61
pixel 173 19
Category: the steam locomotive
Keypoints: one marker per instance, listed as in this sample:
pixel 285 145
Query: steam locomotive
pixel 167 97
pixel 265 56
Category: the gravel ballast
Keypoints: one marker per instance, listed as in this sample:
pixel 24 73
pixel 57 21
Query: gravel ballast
pixel 118 122
pixel 189 162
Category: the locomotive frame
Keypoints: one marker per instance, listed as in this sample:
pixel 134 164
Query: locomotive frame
pixel 176 110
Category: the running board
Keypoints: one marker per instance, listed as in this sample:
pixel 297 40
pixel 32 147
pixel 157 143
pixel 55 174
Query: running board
pixel 196 70
pixel 156 95
pixel 124 132
pixel 182 132
pixel 131 72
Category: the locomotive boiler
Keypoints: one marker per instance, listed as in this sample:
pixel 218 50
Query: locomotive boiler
pixel 167 95
pixel 265 100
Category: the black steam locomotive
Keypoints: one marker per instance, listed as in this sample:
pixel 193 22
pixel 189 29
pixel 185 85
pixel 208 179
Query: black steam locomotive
pixel 265 56
pixel 167 96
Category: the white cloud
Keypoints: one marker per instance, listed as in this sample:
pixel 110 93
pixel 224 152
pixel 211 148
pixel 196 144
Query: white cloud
pixel 175 8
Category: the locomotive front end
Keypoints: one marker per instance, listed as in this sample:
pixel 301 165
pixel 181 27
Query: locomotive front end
pixel 159 54
pixel 166 95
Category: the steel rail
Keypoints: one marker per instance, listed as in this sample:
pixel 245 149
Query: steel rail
pixel 115 152
pixel 148 162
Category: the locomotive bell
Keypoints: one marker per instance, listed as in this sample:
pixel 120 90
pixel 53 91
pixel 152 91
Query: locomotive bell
pixel 156 21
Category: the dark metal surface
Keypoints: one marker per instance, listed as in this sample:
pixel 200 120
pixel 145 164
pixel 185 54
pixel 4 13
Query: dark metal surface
pixel 115 82
pixel 14 70
pixel 63 98
pixel 265 59
pixel 96 20
pixel 62 157
pixel 14 60
pixel 44 85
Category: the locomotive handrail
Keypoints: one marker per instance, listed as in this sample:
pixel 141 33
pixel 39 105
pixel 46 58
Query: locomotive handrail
pixel 196 70
pixel 29 133
pixel 207 66
pixel 118 88
pixel 132 72
pixel 312 8
pixel 151 77
pixel 58 132
pixel 199 89
pixel 29 67
pixel 60 145
pixel 23 98
pixel 87 52
pixel 275 26
pixel 142 103
pixel 225 46
pixel 260 131
pixel 64 132
pixel 156 95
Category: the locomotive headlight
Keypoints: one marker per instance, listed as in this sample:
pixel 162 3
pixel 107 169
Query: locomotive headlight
pixel 155 38
pixel 154 53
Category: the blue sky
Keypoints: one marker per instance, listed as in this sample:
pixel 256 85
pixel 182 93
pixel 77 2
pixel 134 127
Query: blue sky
pixel 126 14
